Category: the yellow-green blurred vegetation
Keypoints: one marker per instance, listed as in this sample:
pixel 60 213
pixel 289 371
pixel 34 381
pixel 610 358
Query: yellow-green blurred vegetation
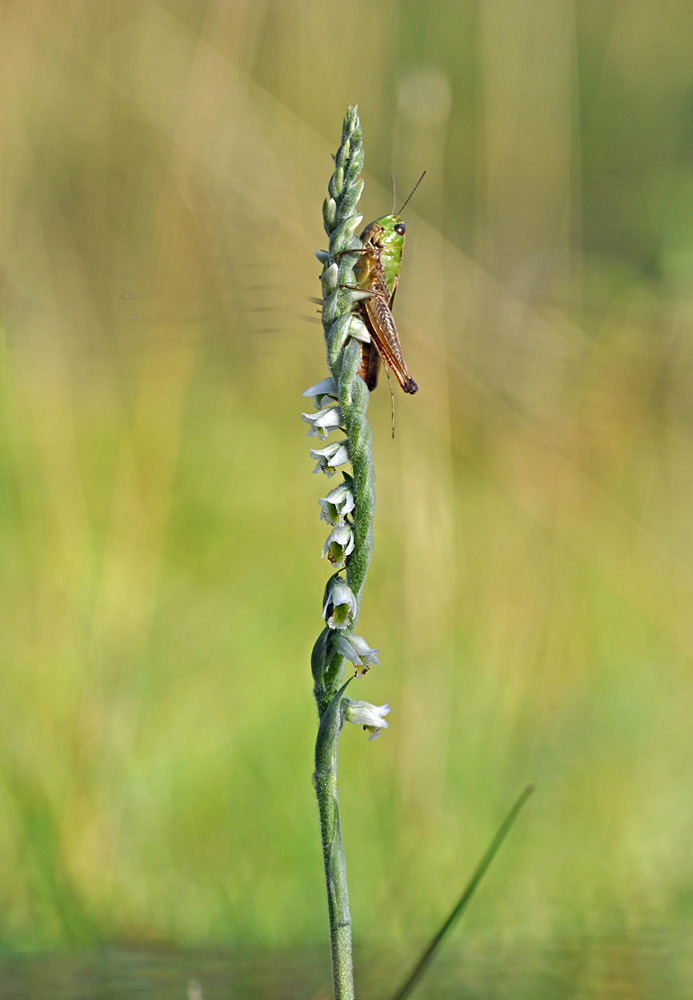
pixel 531 593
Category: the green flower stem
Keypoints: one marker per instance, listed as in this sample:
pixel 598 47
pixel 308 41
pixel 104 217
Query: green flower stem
pixel 325 781
pixel 343 358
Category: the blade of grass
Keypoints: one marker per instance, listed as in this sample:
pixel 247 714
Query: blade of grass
pixel 461 905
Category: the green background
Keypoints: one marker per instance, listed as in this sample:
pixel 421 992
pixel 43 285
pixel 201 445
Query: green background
pixel 531 591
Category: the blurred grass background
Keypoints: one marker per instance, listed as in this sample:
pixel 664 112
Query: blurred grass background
pixel 164 166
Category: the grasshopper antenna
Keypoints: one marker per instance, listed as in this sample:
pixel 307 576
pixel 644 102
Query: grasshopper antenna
pixel 412 193
pixel 394 192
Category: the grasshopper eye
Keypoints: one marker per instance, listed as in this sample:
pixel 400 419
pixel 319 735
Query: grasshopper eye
pixel 400 228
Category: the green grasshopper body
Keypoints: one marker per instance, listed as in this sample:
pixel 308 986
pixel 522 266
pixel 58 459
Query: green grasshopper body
pixel 377 272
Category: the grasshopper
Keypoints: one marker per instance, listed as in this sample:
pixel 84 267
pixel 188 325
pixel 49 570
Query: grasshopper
pixel 377 273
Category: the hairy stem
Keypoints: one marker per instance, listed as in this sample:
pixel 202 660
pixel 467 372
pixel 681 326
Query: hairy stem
pixel 325 781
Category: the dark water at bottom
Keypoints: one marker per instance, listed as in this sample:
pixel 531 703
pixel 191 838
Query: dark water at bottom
pixel 656 967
